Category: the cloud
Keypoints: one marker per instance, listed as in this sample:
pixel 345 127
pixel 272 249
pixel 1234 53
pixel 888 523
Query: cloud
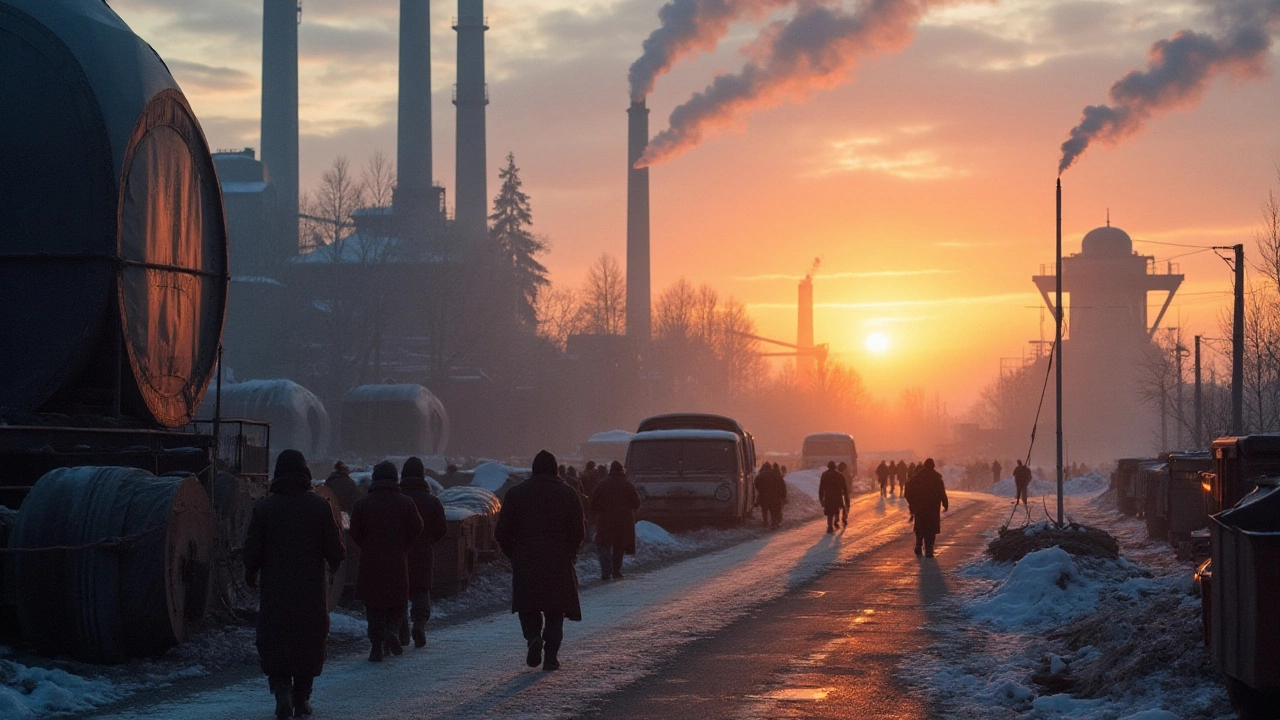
pixel 210 78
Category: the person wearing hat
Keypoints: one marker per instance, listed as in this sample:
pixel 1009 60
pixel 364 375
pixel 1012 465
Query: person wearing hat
pixel 384 523
pixel 343 486
pixel 541 529
pixel 615 503
pixel 833 494
pixel 291 537
pixel 926 496
pixel 413 483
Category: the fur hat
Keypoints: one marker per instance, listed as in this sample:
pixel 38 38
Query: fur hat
pixel 928 462
pixel 291 462
pixel 385 470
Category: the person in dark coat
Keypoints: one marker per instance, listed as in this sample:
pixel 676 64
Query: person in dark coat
pixel 346 489
pixel 996 472
pixel 833 495
pixel 541 529
pixel 615 503
pixel 384 524
pixel 882 476
pixel 291 537
pixel 926 495
pixel 771 493
pixel 590 479
pixel 1021 481
pixel 413 483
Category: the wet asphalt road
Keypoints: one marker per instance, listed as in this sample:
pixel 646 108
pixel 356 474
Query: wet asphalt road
pixel 826 650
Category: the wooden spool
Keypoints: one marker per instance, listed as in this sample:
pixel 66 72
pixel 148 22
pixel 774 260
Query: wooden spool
pixel 337 580
pixel 134 571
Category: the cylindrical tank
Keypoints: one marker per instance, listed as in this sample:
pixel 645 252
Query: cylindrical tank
pixel 382 420
pixel 298 418
pixel 117 562
pixel 113 266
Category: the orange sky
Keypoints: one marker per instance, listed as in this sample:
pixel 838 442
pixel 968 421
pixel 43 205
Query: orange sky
pixel 925 182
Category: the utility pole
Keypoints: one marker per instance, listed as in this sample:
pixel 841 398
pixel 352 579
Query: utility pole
pixel 1199 437
pixel 1057 342
pixel 1237 348
pixel 1180 351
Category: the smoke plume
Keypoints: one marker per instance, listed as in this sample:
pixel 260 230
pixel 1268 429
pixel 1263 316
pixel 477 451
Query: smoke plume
pixel 687 27
pixel 816 49
pixel 1178 73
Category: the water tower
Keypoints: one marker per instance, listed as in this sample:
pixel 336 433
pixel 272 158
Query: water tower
pixel 1107 343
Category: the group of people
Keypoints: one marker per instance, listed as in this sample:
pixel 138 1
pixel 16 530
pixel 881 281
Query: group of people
pixel 893 476
pixel 292 536
pixel 771 493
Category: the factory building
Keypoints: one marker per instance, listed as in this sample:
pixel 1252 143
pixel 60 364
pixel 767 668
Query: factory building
pixel 1107 344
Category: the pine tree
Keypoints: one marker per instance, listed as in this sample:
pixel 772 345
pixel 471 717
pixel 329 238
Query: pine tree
pixel 516 246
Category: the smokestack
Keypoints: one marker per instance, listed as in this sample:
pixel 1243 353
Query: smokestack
pixel 806 360
pixel 280 110
pixel 470 95
pixel 413 130
pixel 638 309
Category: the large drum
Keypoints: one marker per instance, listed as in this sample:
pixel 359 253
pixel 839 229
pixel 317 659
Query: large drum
pixel 113 255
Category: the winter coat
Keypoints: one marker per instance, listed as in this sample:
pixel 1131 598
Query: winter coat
pixel 1022 476
pixel 291 537
pixel 384 524
pixel 541 528
pixel 615 503
pixel 832 492
pixel 431 510
pixel 882 473
pixel 926 495
pixel 771 489
pixel 344 488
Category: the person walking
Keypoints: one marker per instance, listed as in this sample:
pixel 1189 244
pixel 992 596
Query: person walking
pixel 384 524
pixel 833 495
pixel 882 476
pixel 926 495
pixel 614 504
pixel 541 529
pixel 996 472
pixel 771 494
pixel 845 471
pixel 343 486
pixel 413 484
pixel 291 537
pixel 1021 481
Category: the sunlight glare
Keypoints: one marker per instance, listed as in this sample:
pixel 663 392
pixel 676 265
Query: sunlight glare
pixel 877 342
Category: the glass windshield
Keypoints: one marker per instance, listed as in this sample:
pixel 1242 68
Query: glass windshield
pixel 828 447
pixel 692 457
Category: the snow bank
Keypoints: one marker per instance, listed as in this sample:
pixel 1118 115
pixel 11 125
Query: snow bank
pixel 33 692
pixel 1044 587
pixel 651 536
pixel 806 481
pixel 953 476
pixel 346 624
pixel 1083 486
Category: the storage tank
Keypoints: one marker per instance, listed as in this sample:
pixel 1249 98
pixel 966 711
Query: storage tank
pixel 113 265
pixel 297 417
pixel 382 420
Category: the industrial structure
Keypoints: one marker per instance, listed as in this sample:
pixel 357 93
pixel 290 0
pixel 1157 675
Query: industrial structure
pixel 1108 343
pixel 418 203
pixel 280 107
pixel 470 96
pixel 639 322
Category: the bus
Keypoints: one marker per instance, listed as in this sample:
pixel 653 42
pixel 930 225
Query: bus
pixel 692 468
pixel 821 448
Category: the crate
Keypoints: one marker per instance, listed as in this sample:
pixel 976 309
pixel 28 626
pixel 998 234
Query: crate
pixel 1155 483
pixel 1185 507
pixel 454 557
pixel 1244 628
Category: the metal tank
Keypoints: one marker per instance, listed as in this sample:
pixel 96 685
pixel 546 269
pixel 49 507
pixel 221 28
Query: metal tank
pixel 113 265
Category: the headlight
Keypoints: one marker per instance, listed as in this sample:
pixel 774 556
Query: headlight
pixel 724 492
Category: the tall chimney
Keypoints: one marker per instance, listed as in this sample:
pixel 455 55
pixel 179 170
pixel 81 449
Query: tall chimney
pixel 280 111
pixel 638 309
pixel 806 359
pixel 471 95
pixel 413 130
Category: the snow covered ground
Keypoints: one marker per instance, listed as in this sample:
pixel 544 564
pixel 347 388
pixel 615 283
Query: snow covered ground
pixel 1057 636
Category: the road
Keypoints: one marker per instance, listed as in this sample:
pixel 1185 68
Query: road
pixel 795 623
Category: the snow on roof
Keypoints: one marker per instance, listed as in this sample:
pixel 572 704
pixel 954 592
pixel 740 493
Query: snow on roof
pixel 828 436
pixel 611 436
pixel 243 187
pixel 685 434
pixel 470 497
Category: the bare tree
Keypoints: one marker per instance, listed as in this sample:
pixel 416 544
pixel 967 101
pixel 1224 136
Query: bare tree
pixel 673 313
pixel 560 315
pixel 604 299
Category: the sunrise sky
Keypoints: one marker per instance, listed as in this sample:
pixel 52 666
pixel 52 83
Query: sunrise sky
pixel 924 181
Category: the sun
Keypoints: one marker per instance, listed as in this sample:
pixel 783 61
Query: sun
pixel 878 343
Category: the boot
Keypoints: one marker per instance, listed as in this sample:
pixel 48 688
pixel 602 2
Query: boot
pixel 419 635
pixel 282 688
pixel 534 658
pixel 375 654
pixel 404 632
pixel 392 645
pixel 918 551
pixel 302 696
pixel 551 663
